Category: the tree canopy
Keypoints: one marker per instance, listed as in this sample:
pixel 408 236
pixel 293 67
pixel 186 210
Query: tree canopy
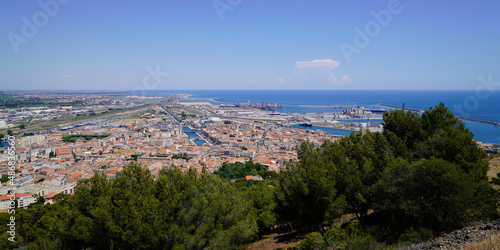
pixel 240 170
pixel 178 210
pixel 423 171
pixel 424 174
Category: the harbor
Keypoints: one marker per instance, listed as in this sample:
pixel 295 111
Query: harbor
pixel 339 117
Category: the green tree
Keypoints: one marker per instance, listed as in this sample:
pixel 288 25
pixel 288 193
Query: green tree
pixel 446 137
pixel 312 241
pixel 210 212
pixel 433 193
pixel 306 193
pixel 354 236
pixel 240 170
pixel 359 160
pixel 405 125
pixel 270 175
pixel 4 179
pixel 177 211
pixel 436 133
pixel 494 180
pixel 40 200
pixel 261 196
pixel 253 172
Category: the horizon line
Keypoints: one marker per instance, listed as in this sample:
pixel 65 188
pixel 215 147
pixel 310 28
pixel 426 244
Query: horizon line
pixel 115 90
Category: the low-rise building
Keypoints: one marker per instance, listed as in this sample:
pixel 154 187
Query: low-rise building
pixel 23 200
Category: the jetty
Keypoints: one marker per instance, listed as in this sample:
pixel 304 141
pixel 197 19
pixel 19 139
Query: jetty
pixel 397 107
pixel 319 106
pixel 421 111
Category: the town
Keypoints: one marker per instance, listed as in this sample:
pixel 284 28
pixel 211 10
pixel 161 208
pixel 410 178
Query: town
pixel 158 135
pixel 58 145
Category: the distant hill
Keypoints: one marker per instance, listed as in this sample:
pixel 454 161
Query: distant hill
pixel 4 95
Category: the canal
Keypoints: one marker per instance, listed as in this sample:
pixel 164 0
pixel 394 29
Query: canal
pixel 192 134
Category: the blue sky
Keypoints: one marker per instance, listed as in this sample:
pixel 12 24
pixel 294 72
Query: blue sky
pixel 247 44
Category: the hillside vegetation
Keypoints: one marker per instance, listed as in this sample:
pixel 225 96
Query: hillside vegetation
pixel 422 176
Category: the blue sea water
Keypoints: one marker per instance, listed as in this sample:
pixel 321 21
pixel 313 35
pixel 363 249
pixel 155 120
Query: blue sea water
pixel 464 103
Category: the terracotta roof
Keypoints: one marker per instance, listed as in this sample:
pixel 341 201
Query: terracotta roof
pixel 63 151
pixel 18 195
pixel 50 195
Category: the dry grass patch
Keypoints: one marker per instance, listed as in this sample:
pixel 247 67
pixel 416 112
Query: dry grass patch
pixel 494 167
pixel 276 241
pixel 490 243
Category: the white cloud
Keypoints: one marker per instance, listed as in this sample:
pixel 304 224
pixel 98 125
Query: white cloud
pixel 345 78
pixel 318 63
pixel 281 81
pixel 317 71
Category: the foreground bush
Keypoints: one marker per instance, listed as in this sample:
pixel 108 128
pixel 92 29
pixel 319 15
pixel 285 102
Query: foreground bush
pixel 132 211
pixel 353 237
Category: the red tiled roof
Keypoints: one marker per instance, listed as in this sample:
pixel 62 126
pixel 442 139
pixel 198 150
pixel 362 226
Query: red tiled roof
pixel 63 151
pixel 18 195
pixel 50 195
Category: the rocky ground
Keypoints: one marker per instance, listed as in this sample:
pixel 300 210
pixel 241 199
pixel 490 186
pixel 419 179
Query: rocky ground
pixel 460 238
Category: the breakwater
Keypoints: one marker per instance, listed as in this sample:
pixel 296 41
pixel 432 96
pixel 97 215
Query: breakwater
pixel 319 106
pixel 421 111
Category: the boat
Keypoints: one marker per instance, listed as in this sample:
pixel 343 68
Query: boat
pixel 376 111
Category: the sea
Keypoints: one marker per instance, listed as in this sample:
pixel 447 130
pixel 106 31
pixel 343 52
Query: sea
pixel 471 104
pixel 482 105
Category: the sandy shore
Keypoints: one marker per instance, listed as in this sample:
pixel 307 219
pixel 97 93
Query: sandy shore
pixel 195 103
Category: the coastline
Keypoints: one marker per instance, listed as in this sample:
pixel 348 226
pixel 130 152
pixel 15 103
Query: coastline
pixel 419 100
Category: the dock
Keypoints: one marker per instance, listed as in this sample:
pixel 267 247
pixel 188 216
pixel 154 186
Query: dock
pixel 421 111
